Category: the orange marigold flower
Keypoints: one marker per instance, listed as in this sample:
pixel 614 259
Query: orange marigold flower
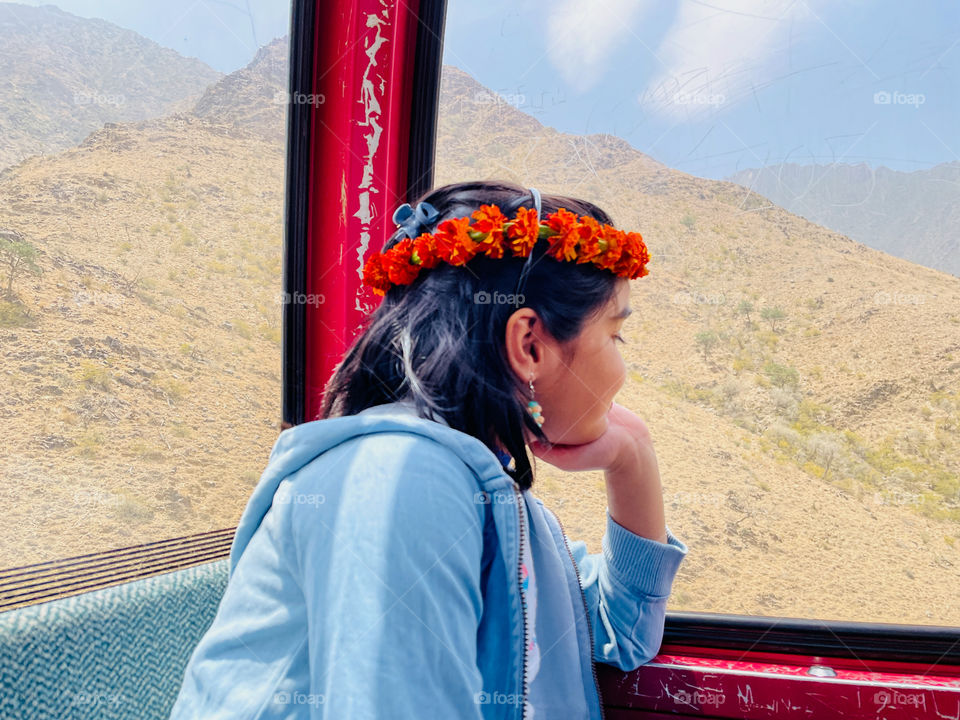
pixel 566 229
pixel 490 245
pixel 642 252
pixel 488 230
pixel 425 251
pixel 589 247
pixel 569 233
pixel 610 246
pixel 523 232
pixel 589 250
pixel 633 260
pixel 562 221
pixel 397 263
pixel 453 243
pixel 489 219
pixel 375 276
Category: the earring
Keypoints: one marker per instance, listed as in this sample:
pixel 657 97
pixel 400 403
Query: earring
pixel 533 407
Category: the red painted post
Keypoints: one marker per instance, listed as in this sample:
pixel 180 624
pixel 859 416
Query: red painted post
pixel 363 77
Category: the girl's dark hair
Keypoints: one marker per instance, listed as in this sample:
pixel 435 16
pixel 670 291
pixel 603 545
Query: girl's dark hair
pixel 434 343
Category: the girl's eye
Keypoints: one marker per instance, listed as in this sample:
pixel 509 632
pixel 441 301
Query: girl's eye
pixel 620 338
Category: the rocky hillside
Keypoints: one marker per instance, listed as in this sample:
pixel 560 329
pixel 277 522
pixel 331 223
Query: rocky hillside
pixel 63 76
pixel 254 98
pixel 143 372
pixel 913 215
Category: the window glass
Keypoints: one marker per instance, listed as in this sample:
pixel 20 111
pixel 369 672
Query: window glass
pixel 795 349
pixel 141 203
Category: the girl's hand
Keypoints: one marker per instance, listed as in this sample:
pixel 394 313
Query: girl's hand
pixel 626 439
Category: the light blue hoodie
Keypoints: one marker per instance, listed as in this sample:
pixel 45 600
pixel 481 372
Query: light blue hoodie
pixel 375 573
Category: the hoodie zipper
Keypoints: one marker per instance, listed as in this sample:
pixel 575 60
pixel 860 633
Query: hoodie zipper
pixel 593 664
pixel 523 599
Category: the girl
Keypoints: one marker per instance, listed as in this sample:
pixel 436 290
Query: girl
pixel 392 561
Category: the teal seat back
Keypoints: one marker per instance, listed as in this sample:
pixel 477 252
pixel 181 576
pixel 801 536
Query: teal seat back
pixel 114 653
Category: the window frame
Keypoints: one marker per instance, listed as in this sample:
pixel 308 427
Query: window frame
pixel 683 629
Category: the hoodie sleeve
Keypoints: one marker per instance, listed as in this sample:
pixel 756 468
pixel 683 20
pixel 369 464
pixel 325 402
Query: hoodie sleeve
pixel 626 587
pixel 389 564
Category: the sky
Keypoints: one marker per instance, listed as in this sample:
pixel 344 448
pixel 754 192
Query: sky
pixel 225 34
pixel 715 86
pixel 705 86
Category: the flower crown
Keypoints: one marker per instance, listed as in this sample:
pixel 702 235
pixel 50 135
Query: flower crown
pixel 458 240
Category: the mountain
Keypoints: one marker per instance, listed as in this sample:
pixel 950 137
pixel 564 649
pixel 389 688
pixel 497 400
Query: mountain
pixel 802 389
pixel 146 365
pixel 253 98
pixel 913 215
pixel 62 76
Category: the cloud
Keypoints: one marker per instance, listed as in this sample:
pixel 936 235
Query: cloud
pixel 717 51
pixel 583 34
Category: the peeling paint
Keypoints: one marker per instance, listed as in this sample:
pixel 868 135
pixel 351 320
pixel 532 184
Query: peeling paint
pixel 372 111
pixel 343 198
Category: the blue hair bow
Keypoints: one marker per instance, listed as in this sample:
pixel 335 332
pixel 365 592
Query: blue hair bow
pixel 414 221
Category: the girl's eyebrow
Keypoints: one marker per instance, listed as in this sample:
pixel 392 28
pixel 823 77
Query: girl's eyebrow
pixel 623 314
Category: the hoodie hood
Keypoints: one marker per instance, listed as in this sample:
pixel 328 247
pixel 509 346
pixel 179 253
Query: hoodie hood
pixel 300 445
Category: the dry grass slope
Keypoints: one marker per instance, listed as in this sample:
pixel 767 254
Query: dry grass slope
pixel 141 397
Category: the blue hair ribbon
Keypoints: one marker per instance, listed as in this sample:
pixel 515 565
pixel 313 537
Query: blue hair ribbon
pixel 413 222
